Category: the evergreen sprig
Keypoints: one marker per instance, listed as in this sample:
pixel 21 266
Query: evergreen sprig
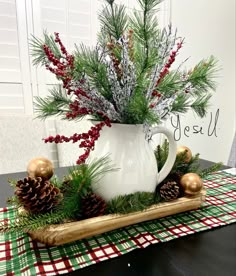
pixel 32 222
pixel 180 165
pixel 145 26
pixel 205 172
pixel 161 154
pixel 137 111
pixel 135 202
pixel 55 104
pixel 200 105
pixel 202 77
pixel 170 84
pixel 181 104
pixel 113 19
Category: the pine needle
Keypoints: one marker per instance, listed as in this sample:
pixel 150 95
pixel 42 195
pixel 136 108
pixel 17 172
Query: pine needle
pixel 205 172
pixel 32 222
pixel 135 202
pixel 193 166
pixel 56 103
pixel 113 19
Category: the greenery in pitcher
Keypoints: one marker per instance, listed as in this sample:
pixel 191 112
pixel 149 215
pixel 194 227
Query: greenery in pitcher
pixel 126 78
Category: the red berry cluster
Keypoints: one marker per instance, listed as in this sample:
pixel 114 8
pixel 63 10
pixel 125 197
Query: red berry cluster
pixel 61 68
pixel 69 58
pixel 88 139
pixel 155 93
pixel 75 109
pixel 171 59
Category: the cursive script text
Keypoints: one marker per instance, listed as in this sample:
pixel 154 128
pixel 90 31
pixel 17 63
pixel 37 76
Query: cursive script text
pixel 187 130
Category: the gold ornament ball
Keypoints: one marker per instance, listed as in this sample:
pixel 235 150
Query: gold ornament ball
pixel 182 149
pixel 191 183
pixel 40 167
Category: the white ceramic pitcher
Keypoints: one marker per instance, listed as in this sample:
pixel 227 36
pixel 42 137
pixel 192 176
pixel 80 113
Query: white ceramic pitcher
pixel 134 156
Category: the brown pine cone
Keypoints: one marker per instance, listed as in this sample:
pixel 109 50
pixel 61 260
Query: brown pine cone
pixel 37 195
pixel 66 185
pixel 175 176
pixel 169 191
pixel 92 206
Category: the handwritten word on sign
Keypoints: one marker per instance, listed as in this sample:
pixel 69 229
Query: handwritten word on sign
pixel 209 130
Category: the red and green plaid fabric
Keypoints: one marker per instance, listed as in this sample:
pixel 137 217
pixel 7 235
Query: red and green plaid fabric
pixel 19 255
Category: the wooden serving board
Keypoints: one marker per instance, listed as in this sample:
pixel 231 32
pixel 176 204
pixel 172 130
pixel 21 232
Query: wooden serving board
pixel 59 234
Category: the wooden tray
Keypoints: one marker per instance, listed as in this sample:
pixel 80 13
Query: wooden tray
pixel 59 234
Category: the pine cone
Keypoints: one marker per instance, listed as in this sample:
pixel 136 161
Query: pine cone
pixel 65 186
pixel 175 176
pixel 37 195
pixel 92 206
pixel 169 191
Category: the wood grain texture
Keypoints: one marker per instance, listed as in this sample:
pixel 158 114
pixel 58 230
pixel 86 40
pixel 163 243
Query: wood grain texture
pixel 59 234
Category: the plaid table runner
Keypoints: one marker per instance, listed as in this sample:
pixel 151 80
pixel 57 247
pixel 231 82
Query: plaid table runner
pixel 19 255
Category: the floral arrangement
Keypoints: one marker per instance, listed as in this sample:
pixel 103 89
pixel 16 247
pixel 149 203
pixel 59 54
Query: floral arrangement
pixel 127 78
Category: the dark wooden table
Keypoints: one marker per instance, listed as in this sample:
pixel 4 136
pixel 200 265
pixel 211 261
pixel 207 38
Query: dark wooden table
pixel 208 253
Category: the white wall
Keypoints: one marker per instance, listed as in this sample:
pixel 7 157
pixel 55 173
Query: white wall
pixel 209 29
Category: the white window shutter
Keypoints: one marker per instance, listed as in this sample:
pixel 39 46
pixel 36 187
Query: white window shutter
pixel 72 19
pixel 23 36
pixel 11 90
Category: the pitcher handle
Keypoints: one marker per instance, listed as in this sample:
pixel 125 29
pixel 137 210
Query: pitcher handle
pixel 171 155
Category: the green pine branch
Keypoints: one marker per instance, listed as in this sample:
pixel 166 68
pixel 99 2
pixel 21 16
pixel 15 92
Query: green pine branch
pixel 181 104
pixel 13 201
pixel 202 77
pixel 146 31
pixel 32 222
pixel 135 202
pixel 140 59
pixel 113 19
pixel 137 110
pixel 180 166
pixel 200 105
pixel 99 167
pixel 184 102
pixel 205 172
pixel 161 153
pixel 170 84
pixel 56 103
